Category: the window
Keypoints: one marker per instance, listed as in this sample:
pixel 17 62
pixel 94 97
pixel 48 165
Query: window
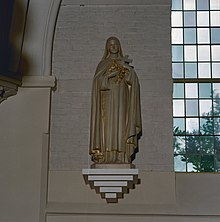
pixel 196 85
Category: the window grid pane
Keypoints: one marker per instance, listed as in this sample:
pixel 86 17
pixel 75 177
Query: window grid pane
pixel 196 89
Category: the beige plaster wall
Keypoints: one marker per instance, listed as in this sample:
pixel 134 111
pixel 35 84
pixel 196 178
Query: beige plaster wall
pixel 128 218
pixel 69 187
pixel 144 30
pixel 82 29
pixel 24 121
pixel 159 197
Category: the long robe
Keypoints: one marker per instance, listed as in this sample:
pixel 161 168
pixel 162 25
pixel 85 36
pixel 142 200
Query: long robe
pixel 115 115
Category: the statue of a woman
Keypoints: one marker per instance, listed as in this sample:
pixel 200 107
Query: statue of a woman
pixel 115 114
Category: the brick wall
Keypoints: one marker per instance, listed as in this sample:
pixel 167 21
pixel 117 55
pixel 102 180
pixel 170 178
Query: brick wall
pixel 143 28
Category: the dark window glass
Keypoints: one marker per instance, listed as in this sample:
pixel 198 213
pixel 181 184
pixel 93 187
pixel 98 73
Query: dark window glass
pixel 177 5
pixel 189 19
pixel 206 126
pixel 192 107
pixel 190 35
pixel 177 69
pixel 215 35
pixel 217 126
pixel 180 163
pixel 190 70
pixel 179 145
pixel 207 163
pixel 177 53
pixel 202 4
pixel 193 163
pixel 178 90
pixel 179 125
pixel 205 90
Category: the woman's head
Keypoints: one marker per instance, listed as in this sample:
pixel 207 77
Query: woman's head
pixel 112 47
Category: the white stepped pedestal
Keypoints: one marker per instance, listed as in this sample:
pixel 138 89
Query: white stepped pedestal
pixel 113 183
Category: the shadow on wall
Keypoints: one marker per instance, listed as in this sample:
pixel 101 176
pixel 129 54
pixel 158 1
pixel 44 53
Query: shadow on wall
pixel 12 25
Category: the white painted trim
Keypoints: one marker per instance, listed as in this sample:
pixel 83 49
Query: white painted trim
pixel 48 37
pixel 8 84
pixel 111 195
pixel 110 178
pixel 110 171
pixel 67 192
pixel 44 176
pixel 116 2
pixel 38 81
pixel 40 28
pixel 110 189
pixel 110 183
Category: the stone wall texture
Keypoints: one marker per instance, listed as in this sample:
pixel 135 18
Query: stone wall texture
pixel 80 35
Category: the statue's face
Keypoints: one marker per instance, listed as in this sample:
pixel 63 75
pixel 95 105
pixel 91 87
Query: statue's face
pixel 113 46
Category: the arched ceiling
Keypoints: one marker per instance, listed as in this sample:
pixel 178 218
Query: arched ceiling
pixel 38 41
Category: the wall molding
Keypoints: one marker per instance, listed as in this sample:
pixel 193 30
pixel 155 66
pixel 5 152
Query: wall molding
pixel 39 81
pixel 116 2
pixel 37 57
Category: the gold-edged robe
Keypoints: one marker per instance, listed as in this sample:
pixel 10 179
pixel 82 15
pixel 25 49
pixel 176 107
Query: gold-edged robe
pixel 115 114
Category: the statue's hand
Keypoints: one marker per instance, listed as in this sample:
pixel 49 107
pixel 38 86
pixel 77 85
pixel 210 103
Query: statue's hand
pixel 125 65
pixel 113 74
